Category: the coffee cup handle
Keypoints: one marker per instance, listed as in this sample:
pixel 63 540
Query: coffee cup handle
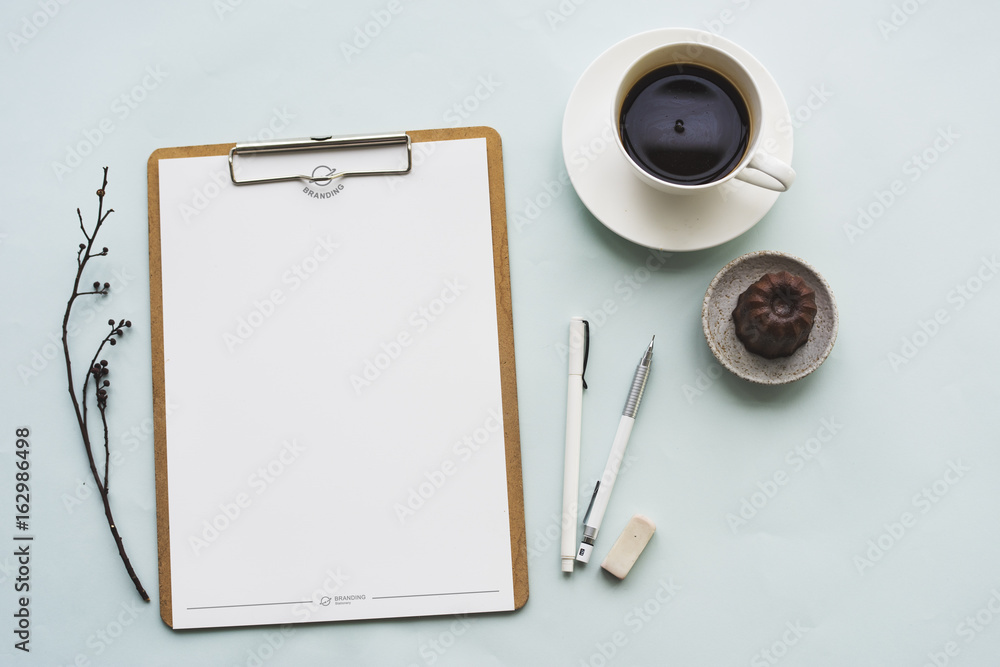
pixel 767 172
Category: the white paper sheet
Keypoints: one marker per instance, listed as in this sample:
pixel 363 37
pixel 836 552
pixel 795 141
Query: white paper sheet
pixel 335 440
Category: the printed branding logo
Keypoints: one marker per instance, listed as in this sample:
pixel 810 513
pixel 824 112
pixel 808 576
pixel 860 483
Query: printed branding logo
pixel 347 599
pixel 315 189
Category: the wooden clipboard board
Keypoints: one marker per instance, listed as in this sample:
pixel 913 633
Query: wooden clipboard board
pixel 515 493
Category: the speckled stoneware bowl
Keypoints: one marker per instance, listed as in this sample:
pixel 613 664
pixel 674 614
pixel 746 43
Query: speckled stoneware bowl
pixel 720 331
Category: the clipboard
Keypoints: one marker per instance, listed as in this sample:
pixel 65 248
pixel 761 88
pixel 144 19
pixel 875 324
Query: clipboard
pixel 321 603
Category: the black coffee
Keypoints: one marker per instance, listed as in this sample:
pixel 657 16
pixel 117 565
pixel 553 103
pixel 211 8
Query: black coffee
pixel 685 124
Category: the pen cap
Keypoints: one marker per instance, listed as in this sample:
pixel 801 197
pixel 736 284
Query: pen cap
pixel 579 341
pixel 583 554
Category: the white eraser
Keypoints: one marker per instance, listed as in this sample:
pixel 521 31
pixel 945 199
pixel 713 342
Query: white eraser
pixel 629 545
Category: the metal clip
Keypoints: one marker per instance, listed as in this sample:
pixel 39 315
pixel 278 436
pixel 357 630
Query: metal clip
pixel 321 143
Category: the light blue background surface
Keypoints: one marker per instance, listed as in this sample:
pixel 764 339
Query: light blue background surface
pixel 870 84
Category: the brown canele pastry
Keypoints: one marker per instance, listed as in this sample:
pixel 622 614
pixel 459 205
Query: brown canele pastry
pixel 774 316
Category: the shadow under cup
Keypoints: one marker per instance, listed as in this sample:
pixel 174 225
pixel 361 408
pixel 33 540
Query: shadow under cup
pixel 687 117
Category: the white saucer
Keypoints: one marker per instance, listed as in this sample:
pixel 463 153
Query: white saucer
pixel 628 207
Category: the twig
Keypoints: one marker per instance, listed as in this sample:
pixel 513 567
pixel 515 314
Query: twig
pixel 97 369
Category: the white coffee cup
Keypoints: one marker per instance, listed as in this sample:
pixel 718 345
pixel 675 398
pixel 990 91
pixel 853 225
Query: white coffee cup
pixel 755 166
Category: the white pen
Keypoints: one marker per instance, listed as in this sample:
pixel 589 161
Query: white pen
pixel 579 347
pixel 602 492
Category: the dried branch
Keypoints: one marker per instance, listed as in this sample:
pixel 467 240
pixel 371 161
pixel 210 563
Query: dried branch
pixel 97 370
